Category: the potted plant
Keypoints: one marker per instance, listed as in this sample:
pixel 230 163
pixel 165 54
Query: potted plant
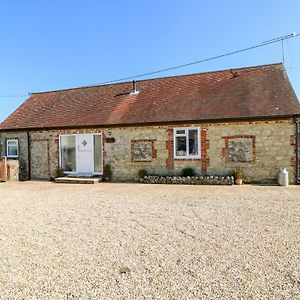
pixel 238 176
pixel 60 172
pixel 107 174
pixel 142 173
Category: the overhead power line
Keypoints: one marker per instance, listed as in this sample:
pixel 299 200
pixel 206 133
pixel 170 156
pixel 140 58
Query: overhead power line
pixel 263 44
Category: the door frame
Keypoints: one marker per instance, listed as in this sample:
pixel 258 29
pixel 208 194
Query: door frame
pixel 76 134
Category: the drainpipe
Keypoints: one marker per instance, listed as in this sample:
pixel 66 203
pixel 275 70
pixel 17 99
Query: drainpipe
pixel 297 149
pixel 29 155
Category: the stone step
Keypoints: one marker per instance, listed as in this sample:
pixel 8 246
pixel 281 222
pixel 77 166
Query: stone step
pixel 77 180
pixel 82 175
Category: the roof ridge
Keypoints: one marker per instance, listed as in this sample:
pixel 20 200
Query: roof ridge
pixel 157 78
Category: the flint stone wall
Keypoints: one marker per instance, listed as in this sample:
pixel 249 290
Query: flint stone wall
pixel 240 150
pixel 23 150
pixel 272 146
pixel 142 151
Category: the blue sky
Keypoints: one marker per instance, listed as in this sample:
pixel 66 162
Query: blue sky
pixel 48 45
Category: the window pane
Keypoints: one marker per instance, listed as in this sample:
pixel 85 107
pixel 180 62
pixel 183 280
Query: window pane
pixel 68 153
pixel 181 131
pixel 97 153
pixel 181 146
pixel 12 150
pixel 193 142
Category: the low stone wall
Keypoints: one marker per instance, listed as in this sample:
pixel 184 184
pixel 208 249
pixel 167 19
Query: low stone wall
pixel 195 180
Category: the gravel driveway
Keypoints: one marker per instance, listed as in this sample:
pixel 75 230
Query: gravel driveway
pixel 134 241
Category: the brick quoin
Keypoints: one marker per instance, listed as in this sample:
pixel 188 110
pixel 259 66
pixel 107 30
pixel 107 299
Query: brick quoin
pixel 56 154
pixel 103 147
pixel 204 148
pixel 170 148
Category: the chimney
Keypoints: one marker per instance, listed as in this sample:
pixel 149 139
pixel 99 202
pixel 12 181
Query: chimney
pixel 134 91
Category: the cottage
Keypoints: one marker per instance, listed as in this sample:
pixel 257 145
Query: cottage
pixel 212 122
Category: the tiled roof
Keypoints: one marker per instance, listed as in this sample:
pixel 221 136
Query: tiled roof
pixel 254 92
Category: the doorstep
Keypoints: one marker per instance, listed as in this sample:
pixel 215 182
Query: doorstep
pixel 83 175
pixel 81 180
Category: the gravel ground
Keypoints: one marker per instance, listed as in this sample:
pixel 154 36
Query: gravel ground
pixel 135 241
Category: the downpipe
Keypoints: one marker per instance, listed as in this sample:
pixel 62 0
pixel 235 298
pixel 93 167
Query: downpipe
pixel 296 121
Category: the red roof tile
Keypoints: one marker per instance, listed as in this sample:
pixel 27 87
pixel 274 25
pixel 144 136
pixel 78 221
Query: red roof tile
pixel 262 91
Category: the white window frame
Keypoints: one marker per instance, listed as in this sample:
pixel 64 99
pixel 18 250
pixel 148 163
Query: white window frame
pixel 186 135
pixel 16 142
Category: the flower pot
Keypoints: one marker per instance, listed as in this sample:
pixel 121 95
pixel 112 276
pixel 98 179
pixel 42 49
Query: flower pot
pixel 141 180
pixel 106 179
pixel 238 181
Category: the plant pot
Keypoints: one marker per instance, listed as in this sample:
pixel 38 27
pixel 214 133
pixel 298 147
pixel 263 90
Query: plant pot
pixel 106 179
pixel 238 181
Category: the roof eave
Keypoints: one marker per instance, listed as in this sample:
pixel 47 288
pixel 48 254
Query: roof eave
pixel 212 120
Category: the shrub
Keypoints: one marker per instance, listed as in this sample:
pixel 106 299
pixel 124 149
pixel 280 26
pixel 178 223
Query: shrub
pixel 107 173
pixel 142 173
pixel 187 172
pixel 238 173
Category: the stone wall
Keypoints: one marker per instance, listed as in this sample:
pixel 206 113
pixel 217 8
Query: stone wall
pixel 260 148
pixel 123 159
pixel 273 146
pixel 44 154
pixel 23 150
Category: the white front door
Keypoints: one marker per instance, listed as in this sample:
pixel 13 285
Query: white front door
pixel 85 153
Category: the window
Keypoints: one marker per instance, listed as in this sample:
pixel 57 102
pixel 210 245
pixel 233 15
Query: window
pixel 97 153
pixel 12 148
pixel 187 142
pixel 68 153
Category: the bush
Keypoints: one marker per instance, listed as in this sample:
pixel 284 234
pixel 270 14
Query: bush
pixel 187 172
pixel 107 171
pixel 238 173
pixel 142 173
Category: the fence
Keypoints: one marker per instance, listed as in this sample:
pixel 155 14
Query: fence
pixel 3 169
pixel 9 169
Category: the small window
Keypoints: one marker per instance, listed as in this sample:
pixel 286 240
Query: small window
pixel 12 148
pixel 180 132
pixel 187 142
